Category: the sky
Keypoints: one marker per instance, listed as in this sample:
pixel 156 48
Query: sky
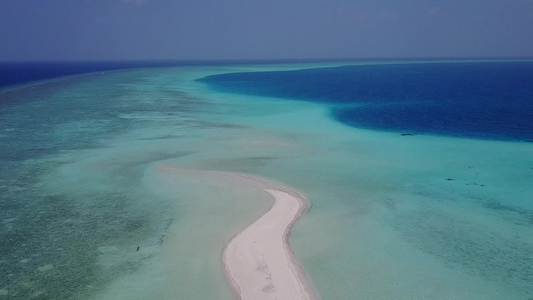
pixel 263 29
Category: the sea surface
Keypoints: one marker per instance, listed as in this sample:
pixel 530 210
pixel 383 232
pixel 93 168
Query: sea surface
pixel 419 174
pixel 464 99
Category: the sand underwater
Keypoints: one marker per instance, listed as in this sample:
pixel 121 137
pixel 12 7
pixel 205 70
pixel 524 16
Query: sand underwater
pixel 86 214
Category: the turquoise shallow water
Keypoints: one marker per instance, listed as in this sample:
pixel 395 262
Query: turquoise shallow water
pixel 392 217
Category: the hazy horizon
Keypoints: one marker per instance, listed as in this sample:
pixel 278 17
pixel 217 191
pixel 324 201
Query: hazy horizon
pixel 245 30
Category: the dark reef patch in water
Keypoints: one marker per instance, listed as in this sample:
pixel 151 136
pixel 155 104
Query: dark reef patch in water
pixel 56 227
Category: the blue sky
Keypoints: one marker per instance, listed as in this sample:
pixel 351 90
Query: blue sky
pixel 266 29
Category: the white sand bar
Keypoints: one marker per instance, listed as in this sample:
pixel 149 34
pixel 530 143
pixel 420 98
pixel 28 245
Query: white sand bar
pixel 259 262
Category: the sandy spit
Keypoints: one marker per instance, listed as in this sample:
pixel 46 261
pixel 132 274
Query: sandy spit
pixel 258 261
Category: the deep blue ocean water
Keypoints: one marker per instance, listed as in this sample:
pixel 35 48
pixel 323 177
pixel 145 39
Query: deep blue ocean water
pixel 16 73
pixel 488 100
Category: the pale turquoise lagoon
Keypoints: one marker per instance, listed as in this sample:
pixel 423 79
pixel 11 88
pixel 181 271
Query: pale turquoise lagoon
pixel 86 214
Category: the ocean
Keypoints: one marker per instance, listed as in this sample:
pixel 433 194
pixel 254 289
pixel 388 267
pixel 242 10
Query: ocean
pixel 463 99
pixel 419 176
pixel 27 72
